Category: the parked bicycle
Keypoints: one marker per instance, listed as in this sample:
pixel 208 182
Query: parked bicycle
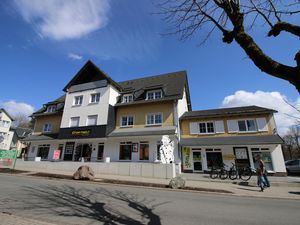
pixel 220 172
pixel 244 173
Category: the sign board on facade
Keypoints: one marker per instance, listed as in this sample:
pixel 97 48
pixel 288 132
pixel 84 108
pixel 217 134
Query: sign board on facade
pixel 229 157
pixel 56 154
pixel 9 154
pixel 135 147
pixel 81 132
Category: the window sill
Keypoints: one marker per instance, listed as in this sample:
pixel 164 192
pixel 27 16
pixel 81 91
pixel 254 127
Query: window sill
pixel 153 125
pixel 93 103
pixel 74 106
pixel 242 132
pixel 130 126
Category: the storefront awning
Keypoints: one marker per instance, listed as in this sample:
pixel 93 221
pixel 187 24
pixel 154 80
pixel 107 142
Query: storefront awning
pixel 147 131
pixel 236 140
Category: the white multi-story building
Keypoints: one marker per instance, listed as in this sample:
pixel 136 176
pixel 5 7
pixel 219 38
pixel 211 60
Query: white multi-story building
pixel 5 134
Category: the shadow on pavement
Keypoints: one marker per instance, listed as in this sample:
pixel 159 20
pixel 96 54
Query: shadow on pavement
pixel 295 192
pixel 100 204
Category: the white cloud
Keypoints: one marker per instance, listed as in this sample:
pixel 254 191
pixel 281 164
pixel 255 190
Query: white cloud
pixel 273 100
pixel 61 19
pixel 75 56
pixel 17 108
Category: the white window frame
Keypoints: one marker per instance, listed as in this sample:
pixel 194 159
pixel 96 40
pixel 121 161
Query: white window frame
pixel 206 122
pixel 154 92
pixel 127 125
pixel 47 128
pixel 126 98
pixel 51 108
pixel 75 102
pixel 247 127
pixel 70 125
pixel 96 98
pixel 90 116
pixel 4 123
pixel 154 114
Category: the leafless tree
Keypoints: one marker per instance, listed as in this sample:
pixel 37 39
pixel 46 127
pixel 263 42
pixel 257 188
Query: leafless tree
pixel 21 120
pixel 292 141
pixel 235 18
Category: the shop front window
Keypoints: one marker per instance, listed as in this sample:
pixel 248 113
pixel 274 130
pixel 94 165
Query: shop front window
pixel 265 157
pixel 125 151
pixel 144 151
pixel 43 151
pixel 100 151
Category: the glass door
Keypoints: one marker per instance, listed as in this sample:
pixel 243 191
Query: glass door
pixel 241 156
pixel 197 161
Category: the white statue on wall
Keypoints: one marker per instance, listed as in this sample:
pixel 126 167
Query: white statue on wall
pixel 166 150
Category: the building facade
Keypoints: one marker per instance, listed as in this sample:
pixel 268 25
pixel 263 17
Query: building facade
pixel 230 135
pixel 99 119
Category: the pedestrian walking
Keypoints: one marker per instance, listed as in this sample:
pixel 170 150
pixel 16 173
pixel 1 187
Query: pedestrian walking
pixel 262 178
pixel 261 165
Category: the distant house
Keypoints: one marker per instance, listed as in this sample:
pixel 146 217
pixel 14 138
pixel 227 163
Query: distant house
pixel 19 134
pixel 5 134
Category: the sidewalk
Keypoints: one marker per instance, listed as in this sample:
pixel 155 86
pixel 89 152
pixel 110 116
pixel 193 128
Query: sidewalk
pixel 278 191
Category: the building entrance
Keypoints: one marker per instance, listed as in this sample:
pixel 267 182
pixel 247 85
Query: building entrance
pixel 83 151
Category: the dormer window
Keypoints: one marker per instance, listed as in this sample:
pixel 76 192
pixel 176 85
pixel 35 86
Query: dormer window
pixel 127 98
pixel 51 108
pixel 155 94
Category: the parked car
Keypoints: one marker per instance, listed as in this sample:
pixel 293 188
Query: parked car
pixel 292 166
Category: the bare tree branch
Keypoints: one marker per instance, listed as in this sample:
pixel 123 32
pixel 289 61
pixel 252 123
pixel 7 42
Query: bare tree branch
pixel 231 17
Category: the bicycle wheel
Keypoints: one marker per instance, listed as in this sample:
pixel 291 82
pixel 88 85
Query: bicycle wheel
pixel 233 175
pixel 246 174
pixel 223 174
pixel 214 174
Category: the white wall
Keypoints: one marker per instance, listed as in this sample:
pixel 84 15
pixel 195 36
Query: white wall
pixel 150 170
pixel 86 109
pixel 278 160
pixel 182 106
pixel 113 94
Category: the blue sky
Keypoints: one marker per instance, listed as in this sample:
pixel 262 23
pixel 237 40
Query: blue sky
pixel 44 43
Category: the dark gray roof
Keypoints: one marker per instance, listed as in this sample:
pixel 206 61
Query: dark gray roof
pixel 42 137
pixel 234 140
pixel 224 112
pixel 172 85
pixel 41 111
pixel 89 73
pixel 148 131
pixel 22 132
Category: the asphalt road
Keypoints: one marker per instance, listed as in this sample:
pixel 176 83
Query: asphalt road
pixel 73 202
